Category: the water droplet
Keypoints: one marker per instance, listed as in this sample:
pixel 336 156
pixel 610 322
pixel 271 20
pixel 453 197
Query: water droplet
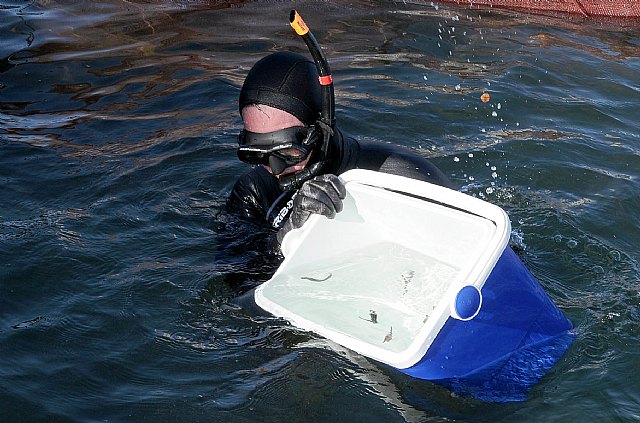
pixel 494 113
pixel 572 243
pixel 489 190
pixel 494 175
pixel 456 159
pixel 499 106
pixel 458 87
pixel 470 155
pixel 494 168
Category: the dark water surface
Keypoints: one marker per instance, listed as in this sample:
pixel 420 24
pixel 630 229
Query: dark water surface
pixel 118 272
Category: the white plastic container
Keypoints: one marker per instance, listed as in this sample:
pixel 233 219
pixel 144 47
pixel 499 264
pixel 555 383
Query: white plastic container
pixel 384 276
pixel 420 277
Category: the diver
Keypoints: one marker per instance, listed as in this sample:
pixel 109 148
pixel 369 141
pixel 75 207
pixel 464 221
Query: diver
pixel 290 134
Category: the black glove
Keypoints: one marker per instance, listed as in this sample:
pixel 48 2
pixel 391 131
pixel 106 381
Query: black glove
pixel 320 195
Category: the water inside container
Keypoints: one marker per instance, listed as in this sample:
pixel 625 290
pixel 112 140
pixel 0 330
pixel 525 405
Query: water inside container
pixel 381 294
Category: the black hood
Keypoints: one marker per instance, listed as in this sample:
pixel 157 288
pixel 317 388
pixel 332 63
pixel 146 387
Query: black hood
pixel 286 81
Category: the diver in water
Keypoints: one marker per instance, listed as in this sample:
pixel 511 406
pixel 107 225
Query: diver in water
pixel 280 105
pixel 286 103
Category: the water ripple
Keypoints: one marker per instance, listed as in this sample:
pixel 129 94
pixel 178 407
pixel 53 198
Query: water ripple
pixel 247 383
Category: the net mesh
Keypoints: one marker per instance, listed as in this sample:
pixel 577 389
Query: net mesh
pixel 610 8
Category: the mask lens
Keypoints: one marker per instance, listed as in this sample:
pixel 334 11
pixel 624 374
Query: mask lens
pixel 291 155
pixel 277 165
pixel 286 144
pixel 253 157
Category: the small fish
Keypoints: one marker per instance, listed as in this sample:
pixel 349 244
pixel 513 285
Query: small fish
pixel 373 317
pixel 389 335
pixel 309 278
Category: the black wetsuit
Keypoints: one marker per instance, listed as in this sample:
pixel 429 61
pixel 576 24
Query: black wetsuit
pixel 258 197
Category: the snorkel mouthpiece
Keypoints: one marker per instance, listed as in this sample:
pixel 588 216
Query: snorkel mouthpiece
pixel 326 121
pixel 295 181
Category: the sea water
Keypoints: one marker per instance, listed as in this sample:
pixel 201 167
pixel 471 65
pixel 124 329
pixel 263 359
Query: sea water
pixel 118 270
pixel 382 294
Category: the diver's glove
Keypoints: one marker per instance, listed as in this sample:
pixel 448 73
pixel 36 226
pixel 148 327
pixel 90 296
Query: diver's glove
pixel 320 195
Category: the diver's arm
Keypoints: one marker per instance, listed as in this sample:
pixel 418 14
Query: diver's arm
pixel 252 195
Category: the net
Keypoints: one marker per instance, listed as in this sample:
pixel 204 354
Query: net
pixel 587 8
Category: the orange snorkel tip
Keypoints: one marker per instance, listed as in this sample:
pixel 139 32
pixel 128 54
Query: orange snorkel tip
pixel 297 23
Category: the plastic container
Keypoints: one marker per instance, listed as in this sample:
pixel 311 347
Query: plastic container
pixel 420 277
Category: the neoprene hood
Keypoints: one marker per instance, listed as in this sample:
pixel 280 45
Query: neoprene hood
pixel 286 81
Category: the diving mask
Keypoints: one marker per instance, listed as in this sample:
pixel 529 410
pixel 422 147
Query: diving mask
pixel 278 149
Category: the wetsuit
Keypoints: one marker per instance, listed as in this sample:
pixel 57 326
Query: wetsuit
pixel 258 197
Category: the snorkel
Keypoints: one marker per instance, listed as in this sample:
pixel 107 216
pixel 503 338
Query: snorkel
pixel 326 121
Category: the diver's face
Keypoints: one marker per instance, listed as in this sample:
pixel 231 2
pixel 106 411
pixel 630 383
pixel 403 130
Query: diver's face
pixel 263 119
